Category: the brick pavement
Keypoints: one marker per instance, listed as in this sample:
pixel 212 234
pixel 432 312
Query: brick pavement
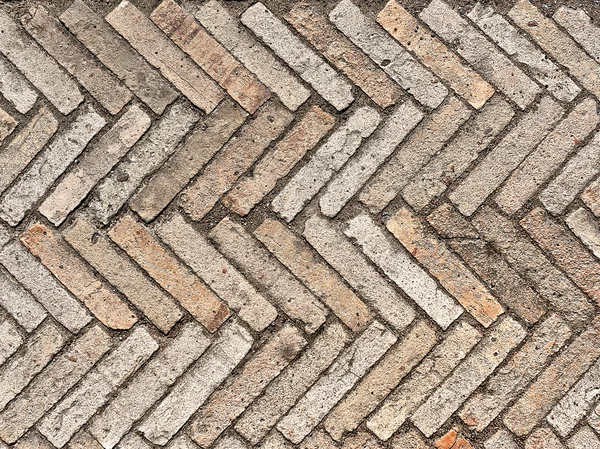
pixel 306 224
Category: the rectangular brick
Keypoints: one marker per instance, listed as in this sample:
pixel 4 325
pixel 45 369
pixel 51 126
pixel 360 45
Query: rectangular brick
pixel 114 52
pixel 49 165
pixel 398 265
pixel 240 42
pixel 507 37
pixel 557 44
pixel 568 253
pixel 79 62
pixel 144 157
pixel 281 394
pixel 318 439
pixel 21 305
pixel 497 165
pixel 585 226
pixel 428 137
pixel 472 372
pixel 326 392
pixel 163 54
pixel 134 441
pixel 187 160
pixel 311 22
pixel 95 164
pixel 358 170
pixel 503 387
pixel 217 62
pixel 137 241
pixel 234 159
pixel 303 262
pixel 333 87
pixel 239 391
pixel 58 257
pixel 554 382
pixel 15 87
pixel 121 272
pixel 83 440
pixel 423 380
pixel 10 340
pixel 484 56
pixel 196 385
pixel 381 380
pixel 543 161
pixel 81 403
pixel 278 162
pixel 38 67
pixel 328 159
pixel 26 145
pixel 581 28
pixel 149 385
pixel 591 196
pixel 53 383
pixel 388 54
pixel 533 265
pixel 7 125
pixel 226 281
pixel 407 30
pixel 585 438
pixel 286 292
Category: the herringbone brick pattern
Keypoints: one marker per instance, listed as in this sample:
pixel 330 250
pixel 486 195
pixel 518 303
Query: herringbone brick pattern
pixel 307 225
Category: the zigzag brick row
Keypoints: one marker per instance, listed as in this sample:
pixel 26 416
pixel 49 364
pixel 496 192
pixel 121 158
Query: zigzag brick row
pixel 312 225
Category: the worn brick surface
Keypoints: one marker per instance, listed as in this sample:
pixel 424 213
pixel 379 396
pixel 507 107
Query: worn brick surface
pixel 310 224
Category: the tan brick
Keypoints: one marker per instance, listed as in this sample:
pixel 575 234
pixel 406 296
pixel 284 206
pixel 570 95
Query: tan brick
pixel 234 159
pixel 83 440
pixel 568 252
pixel 362 440
pixel 10 340
pixel 228 403
pixel 585 226
pixel 454 276
pixel 20 303
pixel 169 272
pixel 33 440
pixel 277 163
pixel 434 54
pixel 310 21
pixel 408 439
pixel 7 124
pixel 15 88
pixel 381 380
pixel 318 440
pixel 591 197
pixel 543 438
pixel 77 276
pixel 181 27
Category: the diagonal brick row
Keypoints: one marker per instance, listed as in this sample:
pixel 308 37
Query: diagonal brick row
pixel 312 225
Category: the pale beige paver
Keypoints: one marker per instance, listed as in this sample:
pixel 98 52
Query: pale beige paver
pixel 20 303
pixel 585 226
pixel 10 340
pixel 7 125
pixel 15 87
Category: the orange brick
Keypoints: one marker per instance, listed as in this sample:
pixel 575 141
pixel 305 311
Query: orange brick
pixel 447 441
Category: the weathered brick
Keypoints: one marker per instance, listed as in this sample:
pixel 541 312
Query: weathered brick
pixel 585 226
pixel 33 440
pixel 425 141
pixel 275 441
pixel 554 381
pixel 277 163
pixel 217 272
pixel 83 440
pixel 196 385
pixel 52 383
pixel 10 340
pixel 225 28
pixel 346 371
pixel 20 303
pixel 169 272
pixel 471 373
pixel 79 62
pixel 318 439
pixel 305 62
pixel 591 196
pixel 146 156
pixel 118 56
pixel 398 265
pixel 421 383
pixel 522 50
pixel 362 440
pixel 39 68
pixel 410 438
pixel 358 170
pixel 581 28
pixel 434 54
pixel 7 125
pixel 381 380
pixel 506 156
pixel 239 391
pixel 328 159
pixel 543 438
pixel 286 292
pixel 58 257
pixel 293 382
pixel 548 156
pixel 49 165
pixel 94 165
pixel 15 88
pixel 484 56
pixel 585 438
pixel 234 159
pixel 121 272
pixel 133 441
pixel 547 339
pixel 217 62
pixel 149 385
pixel 230 442
pixel 501 440
pixel 311 21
